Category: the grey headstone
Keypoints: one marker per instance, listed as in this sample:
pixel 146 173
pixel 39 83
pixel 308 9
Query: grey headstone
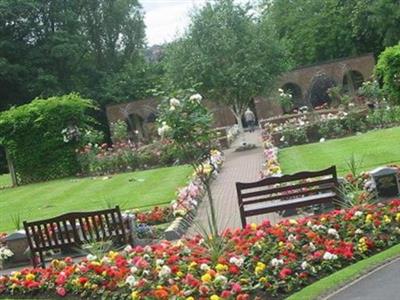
pixel 386 181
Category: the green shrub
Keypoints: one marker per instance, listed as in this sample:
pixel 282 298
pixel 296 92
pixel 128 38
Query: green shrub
pixel 387 70
pixel 41 137
pixel 295 136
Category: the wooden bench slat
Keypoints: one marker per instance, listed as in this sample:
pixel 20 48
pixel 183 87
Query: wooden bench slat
pixel 293 194
pixel 274 190
pixel 287 203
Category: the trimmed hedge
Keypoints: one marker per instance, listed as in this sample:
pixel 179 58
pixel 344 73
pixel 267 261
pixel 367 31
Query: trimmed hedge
pixel 33 136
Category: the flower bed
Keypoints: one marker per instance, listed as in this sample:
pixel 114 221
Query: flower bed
pixel 307 128
pixel 258 261
pixel 271 166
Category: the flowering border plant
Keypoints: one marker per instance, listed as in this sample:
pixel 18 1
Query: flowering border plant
pixel 259 261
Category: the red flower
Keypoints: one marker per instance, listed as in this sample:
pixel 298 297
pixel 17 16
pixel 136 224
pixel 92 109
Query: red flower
pixel 285 272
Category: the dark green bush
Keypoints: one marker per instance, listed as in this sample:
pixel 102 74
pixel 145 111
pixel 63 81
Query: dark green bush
pixel 387 71
pixel 41 137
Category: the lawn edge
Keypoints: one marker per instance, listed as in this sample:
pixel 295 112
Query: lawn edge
pixel 328 285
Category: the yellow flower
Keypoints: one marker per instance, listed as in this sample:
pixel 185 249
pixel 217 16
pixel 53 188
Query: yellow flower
pixel 190 298
pixel 206 278
pixel 362 245
pixel 398 217
pixel 368 218
pixel 386 219
pixel 221 268
pixel 281 244
pixel 263 279
pixel 192 265
pixel 253 226
pixel 95 263
pixel 259 268
pixel 293 222
pixel 215 297
pixel 112 255
pixel 179 274
pixel 323 220
pixel 135 295
pixel 30 276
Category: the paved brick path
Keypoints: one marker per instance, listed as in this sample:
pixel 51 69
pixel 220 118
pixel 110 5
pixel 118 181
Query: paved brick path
pixel 238 167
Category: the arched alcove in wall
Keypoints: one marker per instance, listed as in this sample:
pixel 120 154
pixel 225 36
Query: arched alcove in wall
pixel 352 81
pixel 318 91
pixel 296 92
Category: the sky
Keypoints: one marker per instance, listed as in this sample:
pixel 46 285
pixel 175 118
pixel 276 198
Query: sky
pixel 167 19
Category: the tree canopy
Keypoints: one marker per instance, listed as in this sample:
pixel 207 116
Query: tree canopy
pixel 314 31
pixel 227 55
pixel 53 47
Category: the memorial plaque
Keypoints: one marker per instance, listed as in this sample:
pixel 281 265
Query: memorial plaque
pixel 386 182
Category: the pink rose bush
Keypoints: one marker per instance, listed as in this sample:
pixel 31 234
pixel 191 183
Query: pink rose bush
pixel 258 261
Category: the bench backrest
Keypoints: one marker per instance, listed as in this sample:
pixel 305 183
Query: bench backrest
pixel 74 229
pixel 287 187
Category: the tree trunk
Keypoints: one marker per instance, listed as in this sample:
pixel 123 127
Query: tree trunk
pixel 11 169
pixel 238 117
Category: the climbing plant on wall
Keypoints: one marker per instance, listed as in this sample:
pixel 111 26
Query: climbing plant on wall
pixel 41 137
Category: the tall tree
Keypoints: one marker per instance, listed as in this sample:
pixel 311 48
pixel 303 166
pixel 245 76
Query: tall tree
pixel 50 47
pixel 227 55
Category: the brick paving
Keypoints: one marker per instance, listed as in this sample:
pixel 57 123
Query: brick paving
pixel 238 167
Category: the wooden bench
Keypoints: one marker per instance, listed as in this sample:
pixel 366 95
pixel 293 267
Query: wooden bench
pixel 73 230
pixel 285 192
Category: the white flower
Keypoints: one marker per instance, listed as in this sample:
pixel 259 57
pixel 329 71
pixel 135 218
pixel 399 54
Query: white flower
pixel 291 238
pixel 280 91
pixel 163 129
pixel 130 280
pixel 196 97
pixel 312 247
pixel 204 267
pixel 172 108
pixel 358 213
pixel 304 265
pixel 165 271
pixel 91 257
pixel 329 256
pixel 134 270
pixel 276 262
pixel 359 231
pixel 159 262
pixel 238 261
pixel 128 249
pixel 174 102
pixel 282 138
pixel 322 140
pixel 220 279
pixel 333 232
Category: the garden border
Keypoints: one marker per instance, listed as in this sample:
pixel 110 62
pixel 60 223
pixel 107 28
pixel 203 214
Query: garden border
pixel 328 286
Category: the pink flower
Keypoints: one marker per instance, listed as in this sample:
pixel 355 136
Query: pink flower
pixel 61 291
pixel 236 288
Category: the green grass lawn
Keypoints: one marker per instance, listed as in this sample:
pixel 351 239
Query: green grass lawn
pixel 129 190
pixel 373 149
pixel 5 180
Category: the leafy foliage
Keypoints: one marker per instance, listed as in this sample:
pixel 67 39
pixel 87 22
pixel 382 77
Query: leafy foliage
pixel 388 72
pixel 227 55
pixel 33 135
pixel 316 31
pixel 54 47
